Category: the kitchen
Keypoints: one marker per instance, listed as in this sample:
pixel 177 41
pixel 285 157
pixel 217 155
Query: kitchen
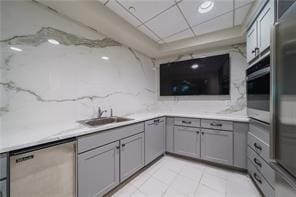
pixel 147 98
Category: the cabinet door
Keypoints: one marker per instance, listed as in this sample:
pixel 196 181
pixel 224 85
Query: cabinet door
pixel 3 188
pixel 187 141
pixel 154 139
pixel 252 42
pixel 98 170
pixel 131 155
pixel 169 134
pixel 217 146
pixel 240 136
pixel 264 21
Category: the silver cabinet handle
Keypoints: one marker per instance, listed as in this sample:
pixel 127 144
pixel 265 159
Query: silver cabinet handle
pixel 186 122
pixel 257 162
pixel 257 146
pixel 257 178
pixel 216 124
pixel 197 132
pixel 24 158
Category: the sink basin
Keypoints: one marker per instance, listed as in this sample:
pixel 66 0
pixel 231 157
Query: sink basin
pixel 102 121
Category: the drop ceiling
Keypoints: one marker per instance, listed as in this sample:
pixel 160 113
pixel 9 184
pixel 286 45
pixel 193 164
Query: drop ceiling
pixel 166 21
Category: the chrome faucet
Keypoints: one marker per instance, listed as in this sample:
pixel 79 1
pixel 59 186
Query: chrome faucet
pixel 100 112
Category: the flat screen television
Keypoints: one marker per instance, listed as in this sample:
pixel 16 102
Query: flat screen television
pixel 201 76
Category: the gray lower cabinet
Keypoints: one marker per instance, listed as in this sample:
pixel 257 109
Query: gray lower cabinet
pixel 240 137
pixel 154 139
pixel 131 155
pixel 3 166
pixel 3 175
pixel 217 146
pixel 169 135
pixel 3 188
pixel 187 141
pixel 98 170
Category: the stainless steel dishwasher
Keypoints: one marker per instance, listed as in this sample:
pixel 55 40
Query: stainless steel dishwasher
pixel 47 171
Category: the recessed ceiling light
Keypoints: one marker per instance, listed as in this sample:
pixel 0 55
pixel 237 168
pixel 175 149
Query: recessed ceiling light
pixel 105 58
pixel 132 9
pixel 206 6
pixel 194 66
pixel 16 49
pixel 52 41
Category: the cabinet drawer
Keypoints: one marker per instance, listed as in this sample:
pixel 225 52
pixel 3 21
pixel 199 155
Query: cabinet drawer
pixel 92 141
pixel 264 186
pixel 258 146
pixel 154 121
pixel 217 124
pixel 260 130
pixel 3 188
pixel 3 166
pixel 261 166
pixel 189 122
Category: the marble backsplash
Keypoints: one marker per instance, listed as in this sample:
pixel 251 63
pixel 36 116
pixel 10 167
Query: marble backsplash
pixel 44 83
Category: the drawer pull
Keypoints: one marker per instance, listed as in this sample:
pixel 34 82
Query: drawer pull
pixel 186 122
pixel 216 124
pixel 123 145
pixel 257 162
pixel 117 147
pixel 257 178
pixel 197 132
pixel 202 133
pixel 156 121
pixel 257 146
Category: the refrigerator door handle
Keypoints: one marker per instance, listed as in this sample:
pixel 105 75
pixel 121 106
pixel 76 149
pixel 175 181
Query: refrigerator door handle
pixel 273 94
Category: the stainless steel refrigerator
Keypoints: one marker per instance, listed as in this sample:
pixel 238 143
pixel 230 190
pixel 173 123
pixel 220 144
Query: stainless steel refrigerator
pixel 284 103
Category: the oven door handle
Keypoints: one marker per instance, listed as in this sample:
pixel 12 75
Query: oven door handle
pixel 258 74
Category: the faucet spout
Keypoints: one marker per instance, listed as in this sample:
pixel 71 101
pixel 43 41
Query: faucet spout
pixel 100 112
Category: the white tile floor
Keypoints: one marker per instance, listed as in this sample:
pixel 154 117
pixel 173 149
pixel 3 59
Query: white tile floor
pixel 175 177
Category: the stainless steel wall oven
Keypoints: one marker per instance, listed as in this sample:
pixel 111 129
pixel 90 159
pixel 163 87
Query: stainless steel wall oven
pixel 258 90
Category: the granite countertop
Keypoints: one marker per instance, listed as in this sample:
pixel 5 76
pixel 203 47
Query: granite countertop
pixel 40 134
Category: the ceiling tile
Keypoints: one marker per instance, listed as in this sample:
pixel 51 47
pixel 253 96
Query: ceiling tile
pixel 240 3
pixel 146 9
pixel 168 23
pixel 115 7
pixel 150 34
pixel 190 10
pixel 184 34
pixel 222 22
pixel 241 13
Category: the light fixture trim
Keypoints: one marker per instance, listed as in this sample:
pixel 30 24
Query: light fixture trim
pixel 105 58
pixel 206 6
pixel 53 41
pixel 16 49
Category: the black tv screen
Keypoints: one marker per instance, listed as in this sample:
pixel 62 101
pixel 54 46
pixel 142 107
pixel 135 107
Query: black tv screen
pixel 202 76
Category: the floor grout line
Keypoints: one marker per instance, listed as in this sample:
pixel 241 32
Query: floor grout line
pixel 167 163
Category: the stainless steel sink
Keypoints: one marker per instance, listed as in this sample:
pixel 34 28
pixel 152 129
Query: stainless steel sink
pixel 103 121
